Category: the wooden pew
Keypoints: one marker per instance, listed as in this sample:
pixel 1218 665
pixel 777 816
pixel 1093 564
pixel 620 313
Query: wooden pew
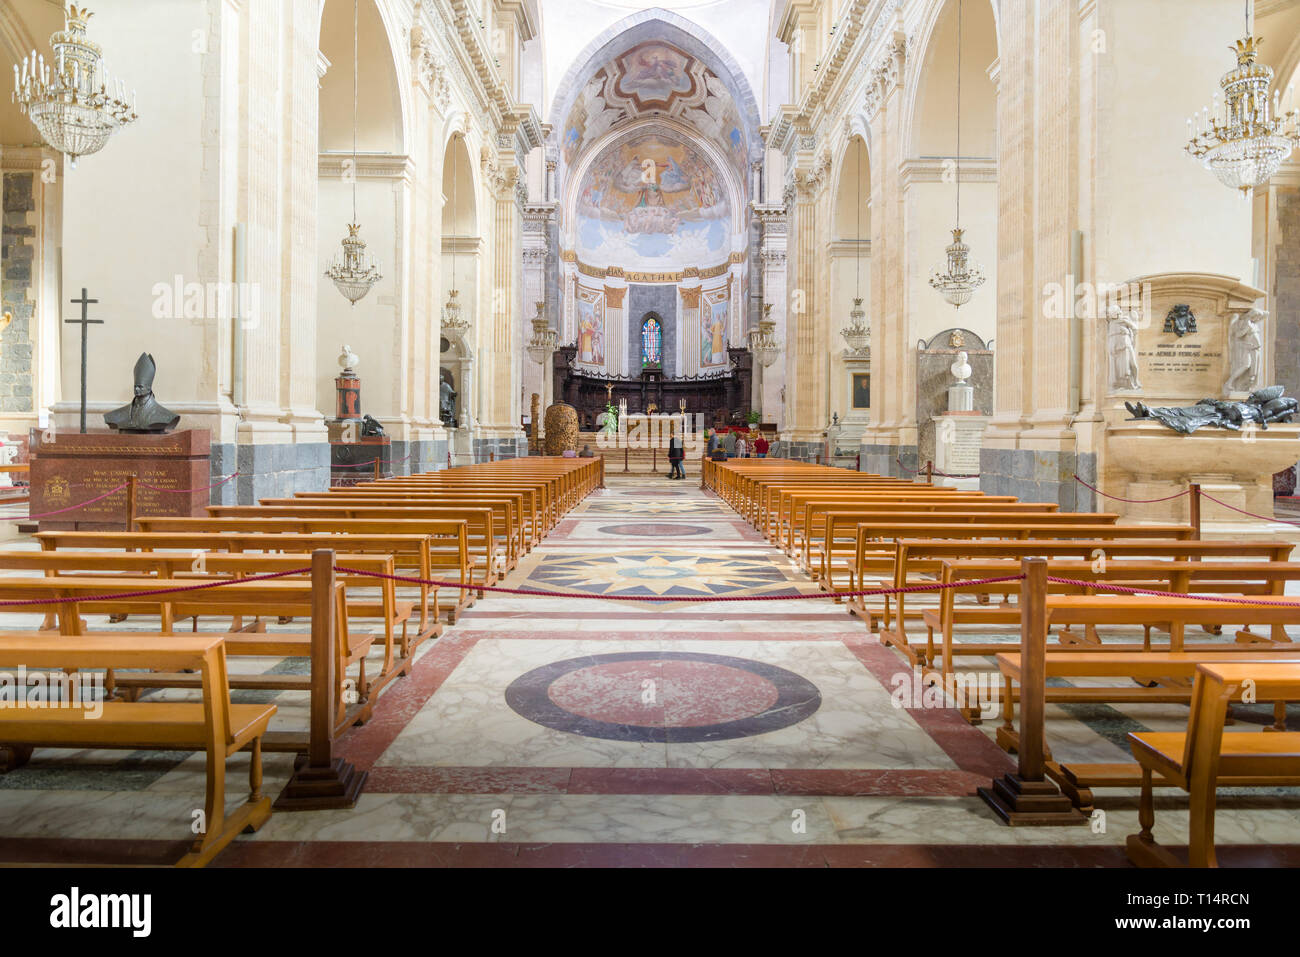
pixel 213 724
pixel 420 556
pixel 1203 758
pixel 281 597
pixel 842 527
pixel 483 570
pixel 1164 676
pixel 203 566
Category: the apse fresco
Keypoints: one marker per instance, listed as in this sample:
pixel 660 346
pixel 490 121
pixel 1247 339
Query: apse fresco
pixel 652 202
pixel 654 74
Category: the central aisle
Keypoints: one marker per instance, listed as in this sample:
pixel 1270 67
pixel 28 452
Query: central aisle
pixel 577 731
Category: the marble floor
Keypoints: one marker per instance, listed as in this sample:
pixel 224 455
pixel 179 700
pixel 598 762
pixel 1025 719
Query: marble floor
pixel 693 729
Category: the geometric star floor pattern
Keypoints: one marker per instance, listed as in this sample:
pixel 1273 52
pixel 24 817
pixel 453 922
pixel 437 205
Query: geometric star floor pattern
pixel 557 731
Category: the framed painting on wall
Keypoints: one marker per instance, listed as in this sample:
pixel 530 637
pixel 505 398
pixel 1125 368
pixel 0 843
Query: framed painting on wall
pixel 862 390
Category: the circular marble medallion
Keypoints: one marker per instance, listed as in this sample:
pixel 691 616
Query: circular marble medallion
pixel 654 530
pixel 663 696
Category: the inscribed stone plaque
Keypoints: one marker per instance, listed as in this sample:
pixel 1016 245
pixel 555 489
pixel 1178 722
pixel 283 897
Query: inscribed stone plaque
pixel 73 468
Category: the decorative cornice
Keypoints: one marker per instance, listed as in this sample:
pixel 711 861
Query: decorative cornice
pixel 369 166
pixel 932 169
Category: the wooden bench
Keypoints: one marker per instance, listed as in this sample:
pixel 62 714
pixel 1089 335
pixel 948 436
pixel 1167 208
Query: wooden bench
pixel 281 597
pixel 1203 757
pixel 419 555
pixel 1164 676
pixel 1248 578
pixel 213 725
pixel 395 615
pixel 842 526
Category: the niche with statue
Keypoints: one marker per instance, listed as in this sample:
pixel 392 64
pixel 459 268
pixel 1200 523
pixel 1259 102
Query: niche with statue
pixel 954 399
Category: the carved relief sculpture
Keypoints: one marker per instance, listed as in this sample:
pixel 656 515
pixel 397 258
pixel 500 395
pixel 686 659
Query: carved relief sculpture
pixel 1122 342
pixel 1245 346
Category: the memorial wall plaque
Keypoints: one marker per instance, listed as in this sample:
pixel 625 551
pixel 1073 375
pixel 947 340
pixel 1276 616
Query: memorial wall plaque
pixel 70 468
pixel 1176 367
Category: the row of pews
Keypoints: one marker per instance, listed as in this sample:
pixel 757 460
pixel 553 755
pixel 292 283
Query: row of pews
pixel 854 532
pixel 330 562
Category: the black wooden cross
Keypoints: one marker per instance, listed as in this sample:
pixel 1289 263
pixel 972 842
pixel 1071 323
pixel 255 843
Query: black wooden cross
pixel 84 323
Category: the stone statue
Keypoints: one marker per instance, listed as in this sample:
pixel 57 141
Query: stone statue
pixel 143 414
pixel 447 404
pixel 1262 407
pixel 1122 335
pixel 349 360
pixel 1245 345
pixel 961 368
pixel 370 427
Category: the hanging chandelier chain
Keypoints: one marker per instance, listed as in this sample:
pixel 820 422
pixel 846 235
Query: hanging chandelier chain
pixel 354 275
pixel 355 87
pixel 958 165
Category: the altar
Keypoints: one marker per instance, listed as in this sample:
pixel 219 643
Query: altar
pixel 651 390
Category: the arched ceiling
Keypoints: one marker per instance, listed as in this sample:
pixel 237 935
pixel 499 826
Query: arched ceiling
pixel 654 79
pixel 738 30
pixel 655 70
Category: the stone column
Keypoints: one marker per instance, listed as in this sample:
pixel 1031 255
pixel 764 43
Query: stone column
pixel 772 261
pixel 806 357
pixel 893 432
pixel 690 330
pixel 616 358
pixel 499 361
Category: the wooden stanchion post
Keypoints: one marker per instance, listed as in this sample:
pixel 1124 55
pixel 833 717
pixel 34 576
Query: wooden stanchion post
pixel 929 472
pixel 1196 508
pixel 320 780
pixel 625 448
pixel 131 493
pixel 1027 797
pixel 379 467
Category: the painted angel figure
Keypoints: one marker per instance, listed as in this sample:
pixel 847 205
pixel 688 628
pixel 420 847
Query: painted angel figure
pixel 1245 346
pixel 1122 338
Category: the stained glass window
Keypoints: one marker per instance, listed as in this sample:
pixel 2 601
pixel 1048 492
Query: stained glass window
pixel 652 342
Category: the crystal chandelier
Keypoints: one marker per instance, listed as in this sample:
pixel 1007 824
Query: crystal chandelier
pixel 77 107
pixel 857 333
pixel 1244 141
pixel 354 274
pixel 762 341
pixel 962 277
pixel 544 339
pixel 454 323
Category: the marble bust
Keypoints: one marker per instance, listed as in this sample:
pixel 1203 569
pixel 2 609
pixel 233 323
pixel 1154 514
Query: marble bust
pixel 144 413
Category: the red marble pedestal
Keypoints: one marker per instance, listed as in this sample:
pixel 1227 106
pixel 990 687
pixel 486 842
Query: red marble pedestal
pixel 73 468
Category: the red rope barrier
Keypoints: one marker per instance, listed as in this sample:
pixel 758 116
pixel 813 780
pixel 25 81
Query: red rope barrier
pixel 1126 590
pixel 783 596
pixel 122 596
pixel 1280 521
pixel 1130 501
pixel 60 511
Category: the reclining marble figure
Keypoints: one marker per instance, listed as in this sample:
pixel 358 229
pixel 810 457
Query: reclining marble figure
pixel 1261 406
